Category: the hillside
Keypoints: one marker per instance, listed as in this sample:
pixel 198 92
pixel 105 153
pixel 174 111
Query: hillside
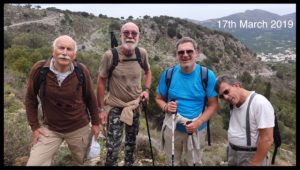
pixel 158 35
pixel 29 32
pixel 259 30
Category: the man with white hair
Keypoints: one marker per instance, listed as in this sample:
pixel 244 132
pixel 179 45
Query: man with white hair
pixel 122 105
pixel 67 106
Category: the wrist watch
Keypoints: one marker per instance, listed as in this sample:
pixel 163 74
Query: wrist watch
pixel 147 88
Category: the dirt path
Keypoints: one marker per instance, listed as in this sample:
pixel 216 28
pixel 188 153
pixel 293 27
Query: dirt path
pixel 50 20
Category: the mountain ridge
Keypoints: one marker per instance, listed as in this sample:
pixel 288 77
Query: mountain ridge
pixel 273 30
pixel 159 35
pixel 28 37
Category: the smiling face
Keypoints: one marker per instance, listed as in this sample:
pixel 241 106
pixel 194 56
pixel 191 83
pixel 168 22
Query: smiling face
pixel 186 54
pixel 64 51
pixel 129 36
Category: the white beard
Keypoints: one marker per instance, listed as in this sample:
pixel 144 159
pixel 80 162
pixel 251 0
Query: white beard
pixel 129 46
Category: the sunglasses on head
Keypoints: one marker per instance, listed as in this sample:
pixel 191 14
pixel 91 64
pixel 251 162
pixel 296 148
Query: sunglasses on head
pixel 225 92
pixel 182 52
pixel 127 33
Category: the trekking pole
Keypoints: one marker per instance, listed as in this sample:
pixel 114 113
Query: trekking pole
pixel 208 133
pixel 146 112
pixel 173 131
pixel 192 144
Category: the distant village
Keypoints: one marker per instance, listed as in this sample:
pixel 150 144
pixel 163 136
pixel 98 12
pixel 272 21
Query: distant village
pixel 288 56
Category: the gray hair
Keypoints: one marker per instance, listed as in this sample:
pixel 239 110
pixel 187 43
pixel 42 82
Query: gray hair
pixel 186 40
pixel 225 79
pixel 58 38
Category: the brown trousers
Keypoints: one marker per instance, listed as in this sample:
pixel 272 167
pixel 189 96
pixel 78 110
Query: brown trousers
pixel 42 152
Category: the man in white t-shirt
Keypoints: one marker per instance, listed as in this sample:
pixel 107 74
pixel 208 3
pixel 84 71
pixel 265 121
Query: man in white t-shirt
pixel 247 148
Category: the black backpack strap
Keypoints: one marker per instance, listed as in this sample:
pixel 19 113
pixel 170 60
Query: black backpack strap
pixel 42 73
pixel 79 74
pixel 114 63
pixel 139 57
pixel 277 139
pixel 204 78
pixel 248 121
pixel 39 84
pixel 204 75
pixel 81 79
pixel 82 83
pixel 169 74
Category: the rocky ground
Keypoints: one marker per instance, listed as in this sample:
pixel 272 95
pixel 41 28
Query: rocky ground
pixel 212 155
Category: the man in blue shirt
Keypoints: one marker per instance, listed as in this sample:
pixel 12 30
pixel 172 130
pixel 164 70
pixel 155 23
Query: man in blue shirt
pixel 186 96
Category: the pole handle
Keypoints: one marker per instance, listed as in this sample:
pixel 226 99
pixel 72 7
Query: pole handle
pixel 188 122
pixel 173 100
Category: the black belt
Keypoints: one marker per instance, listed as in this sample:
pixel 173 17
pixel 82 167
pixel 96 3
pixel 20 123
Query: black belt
pixel 238 148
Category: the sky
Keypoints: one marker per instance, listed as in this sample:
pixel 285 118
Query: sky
pixel 198 12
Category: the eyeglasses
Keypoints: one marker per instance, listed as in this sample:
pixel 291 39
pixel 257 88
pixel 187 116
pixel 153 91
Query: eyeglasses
pixel 225 92
pixel 127 33
pixel 182 52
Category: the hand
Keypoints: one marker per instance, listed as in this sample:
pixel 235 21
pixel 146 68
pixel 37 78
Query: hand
pixel 103 117
pixel 95 130
pixel 144 96
pixel 36 134
pixel 191 127
pixel 171 107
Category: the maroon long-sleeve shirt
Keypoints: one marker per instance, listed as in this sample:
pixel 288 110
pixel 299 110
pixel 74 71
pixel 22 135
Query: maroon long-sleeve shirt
pixel 64 108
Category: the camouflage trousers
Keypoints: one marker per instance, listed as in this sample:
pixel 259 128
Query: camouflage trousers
pixel 114 137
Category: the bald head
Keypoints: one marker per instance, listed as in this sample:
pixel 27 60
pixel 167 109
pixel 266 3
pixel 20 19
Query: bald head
pixel 130 36
pixel 131 25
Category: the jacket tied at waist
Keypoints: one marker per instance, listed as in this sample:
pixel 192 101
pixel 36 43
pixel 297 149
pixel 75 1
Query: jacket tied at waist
pixel 192 141
pixel 128 108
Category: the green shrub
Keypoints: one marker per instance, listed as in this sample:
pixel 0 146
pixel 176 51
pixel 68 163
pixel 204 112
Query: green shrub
pixel 8 37
pixel 10 102
pixel 30 40
pixel 17 136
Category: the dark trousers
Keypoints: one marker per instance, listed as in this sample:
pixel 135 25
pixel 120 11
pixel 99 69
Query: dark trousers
pixel 114 137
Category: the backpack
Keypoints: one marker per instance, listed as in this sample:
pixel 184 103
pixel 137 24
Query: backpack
pixel 204 78
pixel 277 139
pixel 113 40
pixel 276 131
pixel 115 62
pixel 42 73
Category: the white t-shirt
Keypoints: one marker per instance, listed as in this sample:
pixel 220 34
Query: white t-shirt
pixel 261 115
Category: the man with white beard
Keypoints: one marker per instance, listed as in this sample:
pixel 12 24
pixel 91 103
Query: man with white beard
pixel 121 107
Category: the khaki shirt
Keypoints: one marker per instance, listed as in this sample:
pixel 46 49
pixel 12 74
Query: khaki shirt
pixel 125 82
